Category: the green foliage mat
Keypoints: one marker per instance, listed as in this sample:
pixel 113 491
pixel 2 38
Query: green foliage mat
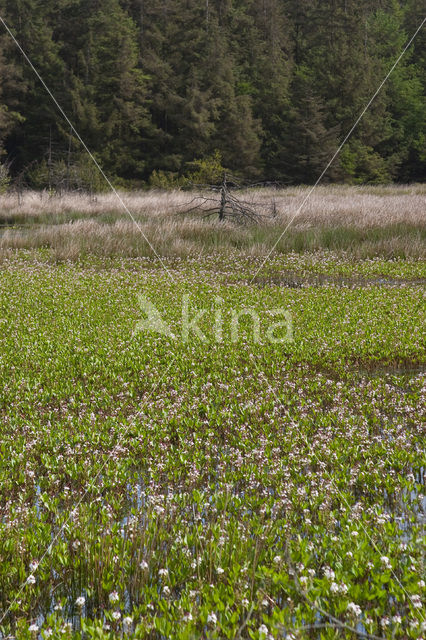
pixel 212 489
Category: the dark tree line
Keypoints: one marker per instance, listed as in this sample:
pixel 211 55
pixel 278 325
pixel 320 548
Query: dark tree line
pixel 272 85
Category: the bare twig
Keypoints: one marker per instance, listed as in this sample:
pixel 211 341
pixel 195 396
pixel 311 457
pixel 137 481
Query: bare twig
pixel 227 207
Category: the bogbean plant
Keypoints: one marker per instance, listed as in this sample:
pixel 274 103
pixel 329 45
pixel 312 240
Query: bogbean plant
pixel 157 488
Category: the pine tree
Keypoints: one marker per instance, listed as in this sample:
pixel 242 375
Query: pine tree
pixel 407 101
pixel 196 104
pixel 108 88
pixel 393 130
pixel 237 133
pixel 11 92
pixel 307 144
pixel 38 132
pixel 172 36
pixel 270 75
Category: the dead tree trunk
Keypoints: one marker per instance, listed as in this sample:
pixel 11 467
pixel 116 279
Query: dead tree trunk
pixel 228 207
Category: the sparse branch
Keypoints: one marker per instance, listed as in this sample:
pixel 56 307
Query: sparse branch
pixel 228 206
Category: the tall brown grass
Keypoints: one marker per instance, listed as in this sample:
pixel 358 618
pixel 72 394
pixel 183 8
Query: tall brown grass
pixel 384 220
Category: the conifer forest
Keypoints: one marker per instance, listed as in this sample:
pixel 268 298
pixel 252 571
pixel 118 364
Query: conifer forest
pixel 269 86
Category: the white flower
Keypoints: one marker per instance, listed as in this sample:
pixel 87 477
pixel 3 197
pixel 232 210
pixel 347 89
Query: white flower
pixel 127 623
pixel 343 588
pixel 354 608
pixel 384 622
pixel 416 601
pixel 212 618
pixel 80 601
pixel 245 602
pixel 114 597
pixel 277 559
pixel 396 619
pixel 33 566
pixel 33 628
pixel 220 570
pixel 329 573
pixel 421 583
pixel 386 562
pixel 187 617
pixel 166 590
pixel 31 580
pixel 311 572
pixel 163 572
pixel 76 544
pixel 116 615
pixel 349 554
pixel 107 626
pixel 143 565
pixel 263 630
pixel 265 603
pixel 354 534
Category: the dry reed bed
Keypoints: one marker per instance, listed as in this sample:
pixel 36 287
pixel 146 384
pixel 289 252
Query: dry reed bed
pixel 365 220
pixel 345 205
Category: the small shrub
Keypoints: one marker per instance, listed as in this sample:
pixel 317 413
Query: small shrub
pixel 199 172
pixel 206 171
pixel 80 175
pixel 5 178
pixel 362 165
pixel 166 180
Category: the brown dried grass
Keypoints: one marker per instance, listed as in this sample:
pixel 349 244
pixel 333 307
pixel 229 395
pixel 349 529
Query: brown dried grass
pixel 363 220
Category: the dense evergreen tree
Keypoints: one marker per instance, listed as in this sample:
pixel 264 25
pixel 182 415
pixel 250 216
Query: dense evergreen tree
pixel 173 41
pixel 11 93
pixel 39 132
pixel 108 93
pixel 308 144
pixel 272 85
